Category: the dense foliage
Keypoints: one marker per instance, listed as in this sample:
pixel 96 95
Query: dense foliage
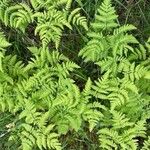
pixel 50 100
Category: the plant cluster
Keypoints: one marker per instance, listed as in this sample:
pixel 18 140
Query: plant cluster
pixel 42 95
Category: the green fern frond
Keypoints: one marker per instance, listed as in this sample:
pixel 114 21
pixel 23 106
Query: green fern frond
pixel 88 86
pixel 106 17
pixel 93 51
pixel 4 44
pixel 146 144
pixel 139 53
pixel 113 139
pixel 3 6
pixel 93 115
pixel 50 25
pixel 18 16
pixel 119 44
pixel 134 72
pixel 124 29
pixel 43 137
pixel 76 18
pixel 120 120
pixel 109 139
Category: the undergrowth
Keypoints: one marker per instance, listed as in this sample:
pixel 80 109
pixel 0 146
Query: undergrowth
pixel 68 81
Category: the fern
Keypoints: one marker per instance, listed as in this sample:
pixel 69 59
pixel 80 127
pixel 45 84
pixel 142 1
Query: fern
pixel 50 26
pixel 106 17
pixel 110 138
pixel 49 103
pixel 4 44
pixel 41 137
pixel 49 23
pixel 17 16
pixel 42 94
pixel 122 87
pixel 146 144
pixel 77 19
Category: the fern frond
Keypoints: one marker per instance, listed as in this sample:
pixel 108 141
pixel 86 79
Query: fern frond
pixel 109 138
pixel 120 43
pixel 113 139
pixel 106 17
pixel 139 53
pixel 13 67
pixel 77 19
pixel 50 25
pixel 146 144
pixel 124 29
pixel 93 115
pixel 4 44
pixel 39 137
pixel 93 51
pixel 4 4
pixel 134 72
pixel 120 120
pixel 18 16
pixel 88 86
